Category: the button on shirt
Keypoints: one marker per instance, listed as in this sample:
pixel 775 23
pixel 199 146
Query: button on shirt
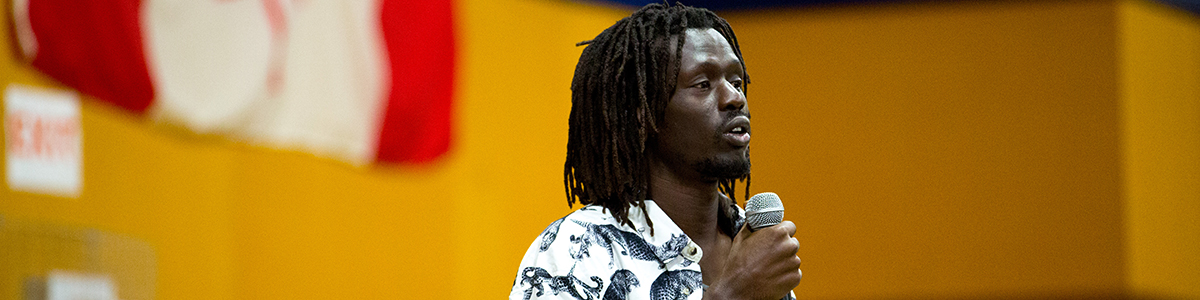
pixel 589 255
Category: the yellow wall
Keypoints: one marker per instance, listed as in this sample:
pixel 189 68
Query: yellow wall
pixel 1161 92
pixel 170 191
pixel 934 149
pixel 951 150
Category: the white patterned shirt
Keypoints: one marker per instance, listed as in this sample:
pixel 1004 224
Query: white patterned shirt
pixel 589 255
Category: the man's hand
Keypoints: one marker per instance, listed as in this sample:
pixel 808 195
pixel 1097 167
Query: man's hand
pixel 761 265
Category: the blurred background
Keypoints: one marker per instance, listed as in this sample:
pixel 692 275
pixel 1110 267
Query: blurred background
pixel 945 150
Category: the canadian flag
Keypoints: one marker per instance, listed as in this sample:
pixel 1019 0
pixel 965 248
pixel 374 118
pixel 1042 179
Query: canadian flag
pixel 357 80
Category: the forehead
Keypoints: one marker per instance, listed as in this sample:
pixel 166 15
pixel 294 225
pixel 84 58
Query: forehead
pixel 706 46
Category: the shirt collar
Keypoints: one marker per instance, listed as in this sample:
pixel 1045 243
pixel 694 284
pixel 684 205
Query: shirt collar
pixel 664 227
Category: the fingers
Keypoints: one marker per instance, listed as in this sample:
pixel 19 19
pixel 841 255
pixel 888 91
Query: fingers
pixel 781 236
pixel 796 272
pixel 793 248
pixel 787 275
pixel 794 243
pixel 788 226
pixel 767 255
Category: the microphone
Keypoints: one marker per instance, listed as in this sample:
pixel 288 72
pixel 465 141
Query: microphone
pixel 763 210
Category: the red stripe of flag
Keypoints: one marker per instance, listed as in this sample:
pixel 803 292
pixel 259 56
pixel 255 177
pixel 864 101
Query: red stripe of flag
pixel 94 47
pixel 420 43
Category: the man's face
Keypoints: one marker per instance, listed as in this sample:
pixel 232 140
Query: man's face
pixel 706 128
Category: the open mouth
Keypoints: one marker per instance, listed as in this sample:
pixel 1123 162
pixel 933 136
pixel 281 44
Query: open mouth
pixel 739 131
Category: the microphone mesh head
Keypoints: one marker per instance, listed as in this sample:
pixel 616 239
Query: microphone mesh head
pixel 763 210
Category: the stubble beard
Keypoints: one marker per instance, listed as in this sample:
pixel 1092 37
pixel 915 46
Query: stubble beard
pixel 724 168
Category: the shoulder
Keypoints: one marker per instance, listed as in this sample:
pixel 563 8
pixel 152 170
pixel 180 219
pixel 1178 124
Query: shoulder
pixel 588 255
pixel 574 223
pixel 559 264
pixel 562 235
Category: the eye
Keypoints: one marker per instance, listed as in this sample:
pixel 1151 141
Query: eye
pixel 702 85
pixel 737 83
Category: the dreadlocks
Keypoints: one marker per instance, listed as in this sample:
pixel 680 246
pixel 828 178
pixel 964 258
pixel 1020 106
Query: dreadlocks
pixel 622 84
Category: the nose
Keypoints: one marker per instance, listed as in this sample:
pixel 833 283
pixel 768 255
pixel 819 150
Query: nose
pixel 732 97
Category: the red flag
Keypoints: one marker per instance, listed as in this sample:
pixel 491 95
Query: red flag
pixel 92 46
pixel 356 81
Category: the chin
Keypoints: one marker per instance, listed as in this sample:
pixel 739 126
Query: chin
pixel 724 168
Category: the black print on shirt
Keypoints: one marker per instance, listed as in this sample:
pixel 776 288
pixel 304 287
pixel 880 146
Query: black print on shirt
pixel 672 285
pixel 538 278
pixel 548 235
pixel 634 246
pixel 620 284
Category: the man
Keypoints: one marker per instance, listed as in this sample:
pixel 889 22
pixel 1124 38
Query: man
pixel 659 134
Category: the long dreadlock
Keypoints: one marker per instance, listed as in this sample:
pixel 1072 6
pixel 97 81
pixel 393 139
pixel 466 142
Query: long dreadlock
pixel 622 84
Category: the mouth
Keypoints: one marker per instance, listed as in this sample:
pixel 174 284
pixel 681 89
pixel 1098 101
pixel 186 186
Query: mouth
pixel 737 131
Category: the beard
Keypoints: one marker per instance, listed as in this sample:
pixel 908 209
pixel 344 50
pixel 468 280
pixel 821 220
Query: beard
pixel 724 168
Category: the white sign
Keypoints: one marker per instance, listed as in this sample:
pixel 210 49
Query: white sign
pixel 43 140
pixel 62 285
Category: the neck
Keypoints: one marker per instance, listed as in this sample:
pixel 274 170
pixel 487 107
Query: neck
pixel 692 204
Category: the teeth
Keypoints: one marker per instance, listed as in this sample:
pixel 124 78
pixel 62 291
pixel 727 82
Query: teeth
pixel 738 130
